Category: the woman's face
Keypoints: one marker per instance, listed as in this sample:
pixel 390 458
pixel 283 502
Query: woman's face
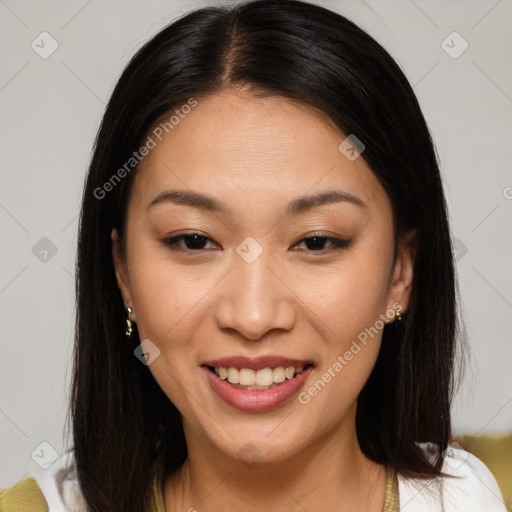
pixel 255 291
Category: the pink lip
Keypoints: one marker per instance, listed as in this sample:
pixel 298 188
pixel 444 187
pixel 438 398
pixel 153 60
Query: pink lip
pixel 256 363
pixel 254 400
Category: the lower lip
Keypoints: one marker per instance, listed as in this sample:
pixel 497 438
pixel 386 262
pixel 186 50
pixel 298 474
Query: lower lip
pixel 257 400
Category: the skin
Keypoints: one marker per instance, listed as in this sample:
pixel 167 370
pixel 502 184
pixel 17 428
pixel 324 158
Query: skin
pixel 255 155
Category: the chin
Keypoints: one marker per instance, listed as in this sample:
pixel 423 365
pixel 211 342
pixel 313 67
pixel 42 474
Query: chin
pixel 262 445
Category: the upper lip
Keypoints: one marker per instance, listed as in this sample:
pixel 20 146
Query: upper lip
pixel 256 363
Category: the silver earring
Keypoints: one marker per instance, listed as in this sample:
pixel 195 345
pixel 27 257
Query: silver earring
pixel 129 328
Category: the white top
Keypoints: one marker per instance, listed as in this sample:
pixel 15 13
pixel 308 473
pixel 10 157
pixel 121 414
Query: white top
pixel 474 488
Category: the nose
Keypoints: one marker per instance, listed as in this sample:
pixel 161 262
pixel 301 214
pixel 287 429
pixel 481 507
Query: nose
pixel 255 300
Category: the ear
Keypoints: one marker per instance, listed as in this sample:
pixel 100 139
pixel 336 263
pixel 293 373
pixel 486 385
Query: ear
pixel 400 285
pixel 123 280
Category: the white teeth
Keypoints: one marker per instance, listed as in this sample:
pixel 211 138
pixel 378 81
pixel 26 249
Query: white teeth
pixel 279 374
pixel 233 376
pixel 264 377
pixel 247 377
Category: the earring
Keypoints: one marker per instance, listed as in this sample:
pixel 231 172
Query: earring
pixel 398 314
pixel 129 329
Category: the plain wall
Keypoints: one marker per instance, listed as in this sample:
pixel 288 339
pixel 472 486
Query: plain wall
pixel 50 112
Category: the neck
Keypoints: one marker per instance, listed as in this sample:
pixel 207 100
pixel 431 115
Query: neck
pixel 330 474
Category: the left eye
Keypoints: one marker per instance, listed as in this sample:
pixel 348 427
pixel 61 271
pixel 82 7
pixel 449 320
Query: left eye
pixel 316 243
pixel 195 242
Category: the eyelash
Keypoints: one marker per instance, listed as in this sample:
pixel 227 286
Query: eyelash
pixel 337 243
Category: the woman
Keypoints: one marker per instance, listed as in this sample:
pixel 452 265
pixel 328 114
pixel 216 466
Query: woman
pixel 266 298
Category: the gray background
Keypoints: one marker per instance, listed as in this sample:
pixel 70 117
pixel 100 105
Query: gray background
pixel 50 112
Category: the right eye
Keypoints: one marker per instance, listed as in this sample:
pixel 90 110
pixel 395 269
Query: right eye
pixel 193 242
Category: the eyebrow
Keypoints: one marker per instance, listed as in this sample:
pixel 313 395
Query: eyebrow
pixel 295 207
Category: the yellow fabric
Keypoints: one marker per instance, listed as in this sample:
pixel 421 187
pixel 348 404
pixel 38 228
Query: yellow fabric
pixel 25 496
pixel 391 503
pixel 496 453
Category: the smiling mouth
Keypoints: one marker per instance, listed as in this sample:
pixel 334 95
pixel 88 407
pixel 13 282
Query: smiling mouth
pixel 258 380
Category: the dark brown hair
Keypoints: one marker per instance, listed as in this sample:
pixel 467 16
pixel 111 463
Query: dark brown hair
pixel 126 432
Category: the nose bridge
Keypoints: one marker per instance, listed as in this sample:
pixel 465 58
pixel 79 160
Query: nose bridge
pixel 254 300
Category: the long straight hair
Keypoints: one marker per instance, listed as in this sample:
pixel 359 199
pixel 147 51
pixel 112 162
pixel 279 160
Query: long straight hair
pixel 126 433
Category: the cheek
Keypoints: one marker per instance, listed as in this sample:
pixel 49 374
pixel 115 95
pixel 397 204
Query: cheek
pixel 350 303
pixel 347 298
pixel 167 304
pixel 350 309
pixel 162 296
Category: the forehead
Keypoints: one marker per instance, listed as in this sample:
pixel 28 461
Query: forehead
pixel 232 143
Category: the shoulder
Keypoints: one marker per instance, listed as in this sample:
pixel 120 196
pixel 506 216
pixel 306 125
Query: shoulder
pixel 471 488
pixel 54 489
